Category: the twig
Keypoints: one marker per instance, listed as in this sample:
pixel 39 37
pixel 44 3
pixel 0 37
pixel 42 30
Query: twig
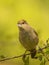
pixel 13 57
pixel 39 51
pixel 42 48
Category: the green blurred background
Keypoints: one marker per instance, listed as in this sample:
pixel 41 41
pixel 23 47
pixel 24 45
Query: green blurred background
pixel 35 12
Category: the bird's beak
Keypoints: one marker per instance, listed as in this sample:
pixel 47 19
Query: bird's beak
pixel 19 25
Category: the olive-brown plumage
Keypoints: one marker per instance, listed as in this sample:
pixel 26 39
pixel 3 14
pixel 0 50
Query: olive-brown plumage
pixel 28 37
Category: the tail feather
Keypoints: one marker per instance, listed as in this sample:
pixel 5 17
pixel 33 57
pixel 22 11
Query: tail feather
pixel 33 53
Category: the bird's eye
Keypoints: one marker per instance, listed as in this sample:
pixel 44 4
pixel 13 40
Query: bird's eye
pixel 23 23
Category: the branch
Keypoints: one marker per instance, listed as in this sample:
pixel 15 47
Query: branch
pixel 38 51
pixel 14 57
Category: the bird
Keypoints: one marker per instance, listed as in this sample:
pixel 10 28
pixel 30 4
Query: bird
pixel 28 37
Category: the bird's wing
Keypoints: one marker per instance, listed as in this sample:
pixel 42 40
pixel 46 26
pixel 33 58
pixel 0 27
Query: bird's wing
pixel 35 32
pixel 33 35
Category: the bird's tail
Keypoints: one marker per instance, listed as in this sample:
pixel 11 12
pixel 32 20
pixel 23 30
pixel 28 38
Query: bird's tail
pixel 33 53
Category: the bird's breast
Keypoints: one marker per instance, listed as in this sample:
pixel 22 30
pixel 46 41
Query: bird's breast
pixel 26 40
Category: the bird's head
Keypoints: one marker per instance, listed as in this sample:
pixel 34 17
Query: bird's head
pixel 22 24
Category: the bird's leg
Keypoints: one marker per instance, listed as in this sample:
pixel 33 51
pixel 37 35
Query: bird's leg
pixel 25 52
pixel 24 55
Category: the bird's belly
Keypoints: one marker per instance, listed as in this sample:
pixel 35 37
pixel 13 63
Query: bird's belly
pixel 26 42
